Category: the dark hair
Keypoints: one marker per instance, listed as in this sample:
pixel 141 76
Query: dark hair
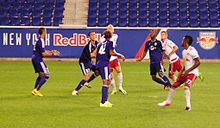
pixel 189 39
pixel 90 33
pixel 40 30
pixel 107 34
pixel 164 32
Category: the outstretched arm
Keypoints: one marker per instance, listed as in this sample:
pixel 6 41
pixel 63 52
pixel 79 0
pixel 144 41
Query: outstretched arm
pixel 142 56
pixel 113 53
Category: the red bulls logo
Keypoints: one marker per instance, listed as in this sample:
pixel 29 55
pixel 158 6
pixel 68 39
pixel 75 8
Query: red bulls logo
pixel 207 40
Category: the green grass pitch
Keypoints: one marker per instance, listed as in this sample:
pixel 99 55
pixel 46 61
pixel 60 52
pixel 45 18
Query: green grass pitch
pixel 59 109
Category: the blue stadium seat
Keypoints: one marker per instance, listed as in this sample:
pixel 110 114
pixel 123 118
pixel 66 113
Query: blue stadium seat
pixel 36 13
pixel 213 15
pixel 192 7
pixel 25 21
pixel 163 15
pixel 153 14
pixel 102 22
pixel 194 23
pixel 183 7
pixel 47 21
pixel 58 14
pixel 113 7
pixel 133 7
pixel 122 22
pixel 173 7
pixel 173 23
pixel 213 7
pixel 143 7
pixel 202 1
pixel 183 15
pixel 57 21
pixel 173 14
pixel 153 7
pixel 113 21
pixel 4 21
pixel 102 14
pixel 92 22
pixel 92 14
pixel 15 21
pixel 143 2
pixel 203 15
pixel 152 22
pixel 204 23
pixel 163 22
pixel 142 22
pixel 36 21
pixel 132 22
pixel 123 14
pixel 123 7
pixel 163 7
pixel 183 22
pixel 143 14
pixel 112 14
pixel 133 14
pixel 214 23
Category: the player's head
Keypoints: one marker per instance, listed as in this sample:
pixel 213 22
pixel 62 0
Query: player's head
pixel 187 41
pixel 42 32
pixel 163 35
pixel 92 35
pixel 107 34
pixel 110 28
pixel 153 35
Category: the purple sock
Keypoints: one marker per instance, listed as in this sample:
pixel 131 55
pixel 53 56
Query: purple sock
pixel 81 83
pixel 37 82
pixel 104 93
pixel 42 81
pixel 92 78
pixel 167 81
pixel 158 80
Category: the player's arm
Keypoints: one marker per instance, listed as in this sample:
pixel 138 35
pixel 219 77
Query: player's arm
pixel 175 48
pixel 113 53
pixel 142 56
pixel 196 64
pixel 51 53
pixel 93 54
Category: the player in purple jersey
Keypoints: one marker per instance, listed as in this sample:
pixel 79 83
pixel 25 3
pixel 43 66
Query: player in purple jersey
pixel 37 60
pixel 155 49
pixel 104 52
pixel 86 63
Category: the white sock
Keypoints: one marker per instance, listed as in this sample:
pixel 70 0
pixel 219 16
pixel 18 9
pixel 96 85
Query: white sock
pixel 170 95
pixel 120 80
pixel 187 96
pixel 174 78
pixel 113 84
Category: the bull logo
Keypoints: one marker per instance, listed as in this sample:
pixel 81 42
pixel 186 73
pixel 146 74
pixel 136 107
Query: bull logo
pixel 207 40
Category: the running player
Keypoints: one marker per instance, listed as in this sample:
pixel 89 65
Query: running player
pixel 156 50
pixel 37 60
pixel 104 51
pixel 170 49
pixel 86 63
pixel 115 65
pixel 189 73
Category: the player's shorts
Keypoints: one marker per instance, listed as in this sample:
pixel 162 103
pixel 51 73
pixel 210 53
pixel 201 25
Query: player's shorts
pixel 188 80
pixel 40 66
pixel 104 72
pixel 175 66
pixel 87 67
pixel 156 68
pixel 113 64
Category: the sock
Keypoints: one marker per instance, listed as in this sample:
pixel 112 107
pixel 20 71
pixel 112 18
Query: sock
pixel 81 83
pixel 170 95
pixel 104 93
pixel 113 84
pixel 174 78
pixel 187 96
pixel 158 80
pixel 37 82
pixel 42 81
pixel 91 78
pixel 167 81
pixel 120 80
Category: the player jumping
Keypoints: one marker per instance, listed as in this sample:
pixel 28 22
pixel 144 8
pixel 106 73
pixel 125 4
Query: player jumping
pixel 115 64
pixel 86 63
pixel 104 52
pixel 170 49
pixel 189 73
pixel 156 50
pixel 37 60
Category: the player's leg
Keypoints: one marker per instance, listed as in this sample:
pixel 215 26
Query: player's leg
pixel 93 76
pixel 112 82
pixel 160 70
pixel 105 74
pixel 171 72
pixel 188 83
pixel 120 78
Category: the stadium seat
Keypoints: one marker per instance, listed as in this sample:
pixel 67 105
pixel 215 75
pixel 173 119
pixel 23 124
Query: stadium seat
pixel 152 22
pixel 123 14
pixel 183 22
pixel 204 23
pixel 92 22
pixel 133 14
pixel 47 21
pixel 132 22
pixel 194 23
pixel 36 21
pixel 15 21
pixel 173 22
pixel 142 22
pixel 143 14
pixel 113 21
pixel 25 21
pixel 4 21
pixel 214 23
pixel 112 14
pixel 102 22
pixel 57 21
pixel 163 22
pixel 122 22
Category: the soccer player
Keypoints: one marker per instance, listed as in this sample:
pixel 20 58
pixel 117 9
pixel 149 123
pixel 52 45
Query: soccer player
pixel 104 51
pixel 115 65
pixel 170 49
pixel 37 60
pixel 86 63
pixel 189 73
pixel 156 50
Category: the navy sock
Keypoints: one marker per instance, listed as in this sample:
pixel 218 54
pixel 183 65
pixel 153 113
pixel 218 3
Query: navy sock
pixel 81 83
pixel 104 93
pixel 167 81
pixel 158 80
pixel 42 81
pixel 91 78
pixel 37 81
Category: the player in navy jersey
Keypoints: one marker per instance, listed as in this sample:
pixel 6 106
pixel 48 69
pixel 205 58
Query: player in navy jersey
pixel 104 52
pixel 86 63
pixel 37 60
pixel 155 49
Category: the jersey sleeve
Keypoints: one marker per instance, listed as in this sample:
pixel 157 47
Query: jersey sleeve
pixel 171 44
pixel 194 53
pixel 41 45
pixel 114 40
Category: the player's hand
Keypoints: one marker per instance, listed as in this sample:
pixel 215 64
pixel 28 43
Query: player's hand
pixel 185 73
pixel 123 58
pixel 56 53
pixel 138 60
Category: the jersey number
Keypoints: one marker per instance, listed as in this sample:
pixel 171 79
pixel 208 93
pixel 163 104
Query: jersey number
pixel 102 49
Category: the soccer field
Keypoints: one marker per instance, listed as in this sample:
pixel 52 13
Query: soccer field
pixel 59 109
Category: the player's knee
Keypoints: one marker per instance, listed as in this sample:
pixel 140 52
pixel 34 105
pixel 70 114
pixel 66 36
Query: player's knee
pixel 170 75
pixel 118 69
pixel 106 82
pixel 186 88
pixel 96 72
pixel 161 74
pixel 153 78
pixel 47 77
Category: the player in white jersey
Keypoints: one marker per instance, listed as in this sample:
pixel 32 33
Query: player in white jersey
pixel 189 73
pixel 115 64
pixel 170 51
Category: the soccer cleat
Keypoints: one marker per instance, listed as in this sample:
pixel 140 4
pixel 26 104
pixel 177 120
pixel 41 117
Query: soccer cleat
pixel 164 103
pixel 166 87
pixel 75 93
pixel 122 91
pixel 201 77
pixel 188 108
pixel 87 85
pixel 36 93
pixel 107 104
pixel 39 94
pixel 113 92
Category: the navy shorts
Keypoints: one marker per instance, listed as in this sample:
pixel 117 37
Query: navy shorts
pixel 39 66
pixel 87 67
pixel 156 68
pixel 104 72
